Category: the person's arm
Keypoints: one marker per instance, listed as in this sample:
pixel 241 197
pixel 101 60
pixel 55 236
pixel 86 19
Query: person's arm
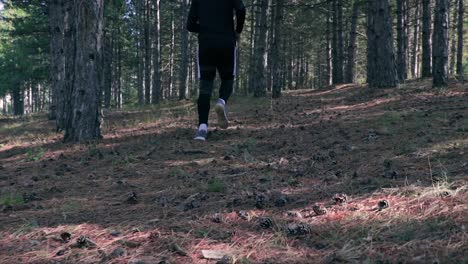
pixel 193 24
pixel 240 15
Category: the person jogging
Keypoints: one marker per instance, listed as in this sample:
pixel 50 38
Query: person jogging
pixel 213 20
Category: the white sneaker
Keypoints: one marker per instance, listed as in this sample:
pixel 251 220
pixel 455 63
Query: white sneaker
pixel 221 112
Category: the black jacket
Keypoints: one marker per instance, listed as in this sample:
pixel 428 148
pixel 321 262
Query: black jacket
pixel 213 20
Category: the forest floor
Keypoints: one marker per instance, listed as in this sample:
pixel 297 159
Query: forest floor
pixel 147 193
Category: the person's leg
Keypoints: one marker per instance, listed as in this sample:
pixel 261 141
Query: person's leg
pixel 206 74
pixel 226 65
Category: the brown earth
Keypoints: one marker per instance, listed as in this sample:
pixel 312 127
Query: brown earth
pixel 148 193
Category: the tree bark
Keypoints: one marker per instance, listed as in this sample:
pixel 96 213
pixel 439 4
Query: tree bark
pixel 381 66
pixel 254 20
pixel 401 40
pixel 426 40
pixel 83 117
pixel 171 58
pixel 276 53
pixel 157 92
pixel 107 54
pixel 259 84
pixel 184 46
pixel 350 69
pixel 147 52
pixel 340 45
pixel 440 41
pixel 461 13
pixel 328 49
pixel 140 54
pixel 17 98
pixel 453 39
pixel 415 57
pixel 57 60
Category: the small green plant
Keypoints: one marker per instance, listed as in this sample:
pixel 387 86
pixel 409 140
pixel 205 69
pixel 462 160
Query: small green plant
pixel 35 155
pixel 216 185
pixel 126 160
pixel 241 148
pixel 202 233
pixel 12 199
pixel 244 260
pixel 178 173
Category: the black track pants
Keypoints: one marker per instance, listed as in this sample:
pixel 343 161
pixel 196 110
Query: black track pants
pixel 210 60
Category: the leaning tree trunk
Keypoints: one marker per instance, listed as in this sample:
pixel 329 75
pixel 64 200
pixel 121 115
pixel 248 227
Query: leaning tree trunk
pixel 83 117
pixel 401 40
pixel 381 66
pixel 57 61
pixel 461 13
pixel 441 43
pixel 259 84
pixel 426 40
pixel 184 46
pixel 350 69
pixel 276 56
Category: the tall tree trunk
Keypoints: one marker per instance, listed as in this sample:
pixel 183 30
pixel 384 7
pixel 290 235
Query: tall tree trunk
pixel 17 98
pixel 157 92
pixel 440 41
pixel 381 66
pixel 118 92
pixel 352 44
pixel 107 55
pixel 140 54
pixel 276 56
pixel 453 39
pixel 328 49
pixel 171 58
pixel 414 58
pixel 184 46
pixel 340 45
pixel 57 60
pixel 259 84
pixel 426 40
pixel 402 36
pixel 461 13
pixel 147 52
pixel 254 20
pixel 83 118
pixel 271 36
pixel 337 42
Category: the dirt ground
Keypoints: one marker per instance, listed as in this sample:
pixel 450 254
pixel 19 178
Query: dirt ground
pixel 341 175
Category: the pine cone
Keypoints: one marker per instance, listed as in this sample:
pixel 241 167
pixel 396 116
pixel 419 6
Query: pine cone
pixel 265 222
pixel 294 229
pixel 383 205
pixel 227 259
pixel 261 201
pixel 340 198
pixel 319 209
